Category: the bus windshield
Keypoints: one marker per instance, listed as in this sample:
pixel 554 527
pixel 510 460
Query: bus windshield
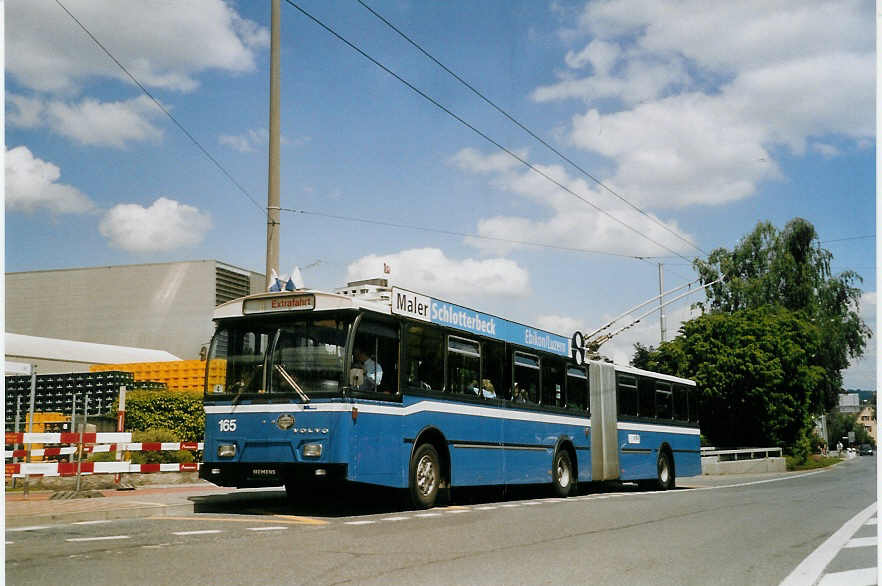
pixel 299 358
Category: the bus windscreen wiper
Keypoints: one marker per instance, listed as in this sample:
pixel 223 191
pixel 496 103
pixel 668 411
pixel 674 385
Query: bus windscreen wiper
pixel 293 383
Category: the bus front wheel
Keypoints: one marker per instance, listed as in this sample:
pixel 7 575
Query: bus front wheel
pixel 425 476
pixel 562 473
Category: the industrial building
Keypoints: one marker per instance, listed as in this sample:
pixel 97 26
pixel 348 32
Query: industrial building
pixel 163 307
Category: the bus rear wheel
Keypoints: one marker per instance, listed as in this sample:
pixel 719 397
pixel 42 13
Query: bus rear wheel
pixel 425 476
pixel 562 474
pixel 665 466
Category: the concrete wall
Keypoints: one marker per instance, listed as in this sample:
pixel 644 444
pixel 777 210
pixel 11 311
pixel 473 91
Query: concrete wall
pixel 166 306
pixel 711 465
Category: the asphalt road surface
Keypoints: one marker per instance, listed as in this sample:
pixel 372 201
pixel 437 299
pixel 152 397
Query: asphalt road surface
pixel 724 530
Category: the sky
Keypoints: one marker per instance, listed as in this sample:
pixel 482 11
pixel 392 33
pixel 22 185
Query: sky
pixel 688 126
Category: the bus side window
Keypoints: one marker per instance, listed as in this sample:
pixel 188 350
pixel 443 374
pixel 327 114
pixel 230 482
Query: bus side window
pixel 463 366
pixel 552 382
pixel 376 352
pixel 626 388
pixel 646 397
pixel 577 389
pixel 681 410
pixel 664 401
pixel 525 386
pixel 424 360
pixel 493 371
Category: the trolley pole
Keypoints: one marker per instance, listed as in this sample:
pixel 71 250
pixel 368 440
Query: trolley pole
pixel 661 289
pixel 273 199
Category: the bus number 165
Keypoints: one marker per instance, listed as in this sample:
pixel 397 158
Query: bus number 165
pixel 227 424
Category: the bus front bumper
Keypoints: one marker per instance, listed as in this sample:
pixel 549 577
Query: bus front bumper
pixel 256 474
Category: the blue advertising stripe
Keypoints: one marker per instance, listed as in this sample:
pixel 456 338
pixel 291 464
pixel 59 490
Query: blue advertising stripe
pixel 443 313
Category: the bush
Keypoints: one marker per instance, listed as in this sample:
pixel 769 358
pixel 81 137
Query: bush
pixel 158 457
pixel 180 413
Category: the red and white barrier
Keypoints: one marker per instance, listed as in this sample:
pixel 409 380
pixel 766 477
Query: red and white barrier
pixel 70 468
pixel 130 447
pixel 68 438
pixel 105 442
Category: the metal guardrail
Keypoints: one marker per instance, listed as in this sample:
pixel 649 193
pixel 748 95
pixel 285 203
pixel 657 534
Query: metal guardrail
pixel 737 454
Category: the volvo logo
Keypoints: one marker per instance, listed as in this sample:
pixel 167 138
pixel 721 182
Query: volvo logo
pixel 285 421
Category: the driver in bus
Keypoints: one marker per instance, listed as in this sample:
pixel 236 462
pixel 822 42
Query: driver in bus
pixel 373 372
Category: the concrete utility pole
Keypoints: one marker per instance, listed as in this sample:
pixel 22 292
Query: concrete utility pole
pixel 273 199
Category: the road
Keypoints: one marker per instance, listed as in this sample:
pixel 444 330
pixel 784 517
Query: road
pixel 724 530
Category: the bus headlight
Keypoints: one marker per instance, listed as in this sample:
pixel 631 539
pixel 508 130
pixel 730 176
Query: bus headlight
pixel 226 450
pixel 312 450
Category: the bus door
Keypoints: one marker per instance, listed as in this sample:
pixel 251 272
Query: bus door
pixel 604 435
pixel 376 433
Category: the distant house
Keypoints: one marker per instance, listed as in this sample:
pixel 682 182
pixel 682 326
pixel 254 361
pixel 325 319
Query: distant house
pixel 849 403
pixel 867 418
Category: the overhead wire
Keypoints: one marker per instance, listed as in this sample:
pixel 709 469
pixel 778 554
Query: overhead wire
pixel 180 126
pixel 523 127
pixel 477 131
pixel 456 233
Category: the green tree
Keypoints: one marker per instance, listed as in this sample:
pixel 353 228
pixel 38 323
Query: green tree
pixel 789 269
pixel 838 426
pixel 182 413
pixel 755 374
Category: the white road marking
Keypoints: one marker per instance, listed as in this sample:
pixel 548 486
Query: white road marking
pixel 359 522
pixel 812 566
pixel 104 538
pixel 862 542
pixel 394 519
pixel 457 511
pixel 510 505
pixel 273 528
pixel 201 532
pixel 871 521
pixel 487 508
pixel 90 522
pixel 31 528
pixel 423 515
pixel 861 577
pixel 9 542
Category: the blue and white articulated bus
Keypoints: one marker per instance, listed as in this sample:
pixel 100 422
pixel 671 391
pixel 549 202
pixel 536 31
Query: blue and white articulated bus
pixel 422 395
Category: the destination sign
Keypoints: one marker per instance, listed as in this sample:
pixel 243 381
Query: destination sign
pixel 428 309
pixel 279 303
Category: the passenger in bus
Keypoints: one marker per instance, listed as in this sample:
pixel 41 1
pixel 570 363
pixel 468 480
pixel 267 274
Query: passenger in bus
pixel 373 372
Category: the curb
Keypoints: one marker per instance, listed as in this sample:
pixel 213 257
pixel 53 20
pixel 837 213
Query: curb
pixel 109 514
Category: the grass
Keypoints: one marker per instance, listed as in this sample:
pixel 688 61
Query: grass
pixel 814 461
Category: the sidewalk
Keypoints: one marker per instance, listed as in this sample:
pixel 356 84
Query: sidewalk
pixel 148 501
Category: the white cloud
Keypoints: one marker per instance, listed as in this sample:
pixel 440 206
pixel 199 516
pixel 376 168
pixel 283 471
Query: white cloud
pixel 111 124
pixel 165 225
pixel 560 324
pixel 247 142
pixel 862 373
pixel 430 270
pixel 23 112
pixel 570 223
pixel 704 96
pixel 32 184
pixel 90 122
pixel 472 160
pixel 256 139
pixel 828 151
pixel 164 45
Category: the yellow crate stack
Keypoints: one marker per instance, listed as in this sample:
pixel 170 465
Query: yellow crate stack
pixel 179 375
